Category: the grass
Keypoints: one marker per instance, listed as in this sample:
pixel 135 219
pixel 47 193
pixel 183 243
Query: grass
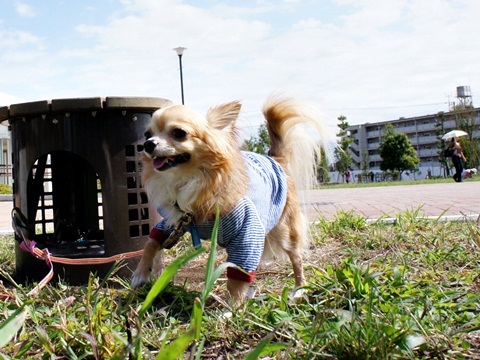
pixel 407 181
pixel 5 189
pixel 403 290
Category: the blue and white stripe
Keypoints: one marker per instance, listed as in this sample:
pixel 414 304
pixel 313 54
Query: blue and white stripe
pixel 242 232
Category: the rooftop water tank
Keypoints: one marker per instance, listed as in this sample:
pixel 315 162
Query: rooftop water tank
pixel 463 91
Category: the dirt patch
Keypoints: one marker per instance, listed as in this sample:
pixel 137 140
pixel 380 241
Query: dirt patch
pixel 274 275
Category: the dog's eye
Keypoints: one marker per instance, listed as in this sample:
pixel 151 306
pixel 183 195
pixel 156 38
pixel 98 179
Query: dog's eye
pixel 148 134
pixel 179 134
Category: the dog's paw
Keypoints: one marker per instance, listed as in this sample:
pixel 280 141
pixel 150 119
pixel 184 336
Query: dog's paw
pixel 251 292
pixel 297 294
pixel 226 315
pixel 139 279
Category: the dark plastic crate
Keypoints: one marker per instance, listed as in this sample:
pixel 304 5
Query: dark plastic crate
pixel 77 180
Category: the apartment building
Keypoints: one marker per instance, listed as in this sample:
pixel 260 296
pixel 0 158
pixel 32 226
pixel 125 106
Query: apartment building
pixel 421 131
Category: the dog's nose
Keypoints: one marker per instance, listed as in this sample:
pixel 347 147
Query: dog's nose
pixel 149 145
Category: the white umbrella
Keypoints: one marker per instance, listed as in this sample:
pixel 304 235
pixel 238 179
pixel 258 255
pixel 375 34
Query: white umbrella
pixel 454 133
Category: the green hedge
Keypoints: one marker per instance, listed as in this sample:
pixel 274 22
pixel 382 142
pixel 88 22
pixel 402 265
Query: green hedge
pixel 5 189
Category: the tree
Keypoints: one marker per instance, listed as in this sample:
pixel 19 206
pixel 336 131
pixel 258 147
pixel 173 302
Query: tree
pixel 365 162
pixel 342 155
pixel 397 152
pixel 323 173
pixel 260 143
pixel 465 119
pixel 440 131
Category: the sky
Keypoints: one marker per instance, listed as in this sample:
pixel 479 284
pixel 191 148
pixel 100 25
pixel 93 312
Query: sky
pixel 368 60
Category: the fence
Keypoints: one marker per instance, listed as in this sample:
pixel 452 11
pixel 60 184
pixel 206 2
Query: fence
pixel 6 174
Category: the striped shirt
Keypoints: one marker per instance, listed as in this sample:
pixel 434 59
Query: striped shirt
pixel 242 232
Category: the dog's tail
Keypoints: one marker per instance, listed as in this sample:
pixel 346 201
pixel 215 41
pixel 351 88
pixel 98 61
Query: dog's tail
pixel 296 138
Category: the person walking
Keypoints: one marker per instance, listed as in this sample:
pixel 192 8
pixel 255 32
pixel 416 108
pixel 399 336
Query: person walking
pixel 457 158
pixel 348 176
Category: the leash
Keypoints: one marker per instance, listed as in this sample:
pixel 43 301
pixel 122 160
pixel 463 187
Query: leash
pixel 19 224
pixel 187 219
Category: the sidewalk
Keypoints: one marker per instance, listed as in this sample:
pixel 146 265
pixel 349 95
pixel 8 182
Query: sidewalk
pixel 450 200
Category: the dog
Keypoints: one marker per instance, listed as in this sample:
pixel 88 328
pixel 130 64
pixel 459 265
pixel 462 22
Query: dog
pixel 193 163
pixel 468 173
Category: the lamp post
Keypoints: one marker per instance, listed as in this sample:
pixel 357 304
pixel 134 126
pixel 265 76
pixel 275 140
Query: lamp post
pixel 179 50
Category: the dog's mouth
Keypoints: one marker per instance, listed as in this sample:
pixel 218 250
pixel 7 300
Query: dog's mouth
pixel 163 163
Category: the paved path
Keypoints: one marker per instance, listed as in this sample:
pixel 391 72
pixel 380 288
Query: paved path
pixel 447 199
pixel 450 200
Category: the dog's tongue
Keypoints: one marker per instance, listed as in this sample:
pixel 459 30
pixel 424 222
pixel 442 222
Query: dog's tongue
pixel 159 162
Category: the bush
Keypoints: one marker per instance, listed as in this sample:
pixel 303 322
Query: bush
pixel 5 189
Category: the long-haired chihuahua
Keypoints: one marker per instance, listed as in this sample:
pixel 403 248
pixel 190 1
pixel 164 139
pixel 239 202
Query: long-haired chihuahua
pixel 193 163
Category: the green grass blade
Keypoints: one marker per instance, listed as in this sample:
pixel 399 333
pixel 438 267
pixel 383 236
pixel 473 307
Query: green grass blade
pixel 212 274
pixel 9 328
pixel 196 321
pixel 213 278
pixel 165 278
pixel 201 345
pixel 211 258
pixel 260 348
pixel 175 349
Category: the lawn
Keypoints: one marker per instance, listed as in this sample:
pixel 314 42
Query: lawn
pixel 406 181
pixel 402 290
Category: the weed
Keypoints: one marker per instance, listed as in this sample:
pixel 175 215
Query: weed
pixel 402 290
pixel 344 223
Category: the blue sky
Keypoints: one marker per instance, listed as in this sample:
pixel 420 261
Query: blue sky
pixel 370 60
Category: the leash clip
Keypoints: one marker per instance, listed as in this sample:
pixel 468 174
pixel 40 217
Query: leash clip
pixel 186 219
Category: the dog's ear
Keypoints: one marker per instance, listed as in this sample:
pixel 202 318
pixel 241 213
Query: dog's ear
pixel 223 117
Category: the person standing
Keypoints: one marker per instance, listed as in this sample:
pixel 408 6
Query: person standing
pixel 457 158
pixel 372 176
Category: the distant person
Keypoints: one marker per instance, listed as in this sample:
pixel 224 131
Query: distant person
pixel 348 176
pixel 468 173
pixel 457 158
pixel 372 176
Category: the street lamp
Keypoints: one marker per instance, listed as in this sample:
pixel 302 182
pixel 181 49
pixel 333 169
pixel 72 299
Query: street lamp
pixel 179 50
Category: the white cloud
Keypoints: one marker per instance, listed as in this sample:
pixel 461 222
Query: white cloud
pixel 369 60
pixel 17 39
pixel 24 9
pixel 8 99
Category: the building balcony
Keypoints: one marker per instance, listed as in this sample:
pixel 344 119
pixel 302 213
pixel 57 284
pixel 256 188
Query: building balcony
pixel 428 153
pixel 353 149
pixel 375 157
pixel 414 128
pixel 422 140
pixel 373 145
pixel 373 134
